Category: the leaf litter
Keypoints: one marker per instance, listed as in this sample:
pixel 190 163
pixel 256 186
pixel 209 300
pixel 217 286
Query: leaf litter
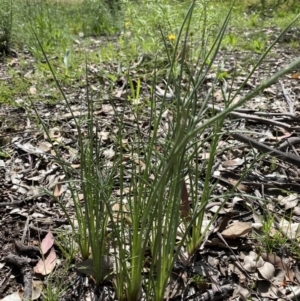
pixel 232 261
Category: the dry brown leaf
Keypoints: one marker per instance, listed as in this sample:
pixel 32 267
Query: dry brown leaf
pixel 16 296
pixel 47 243
pixel 104 135
pixel 295 75
pixel 45 146
pixel 45 267
pixel 37 288
pixel 235 100
pixel 291 230
pixel 215 242
pixel 279 278
pixel 278 263
pixel 71 115
pixel 218 95
pixel 296 210
pixel 242 291
pixel 234 162
pixel 108 109
pixel 289 201
pixel 185 205
pixel 270 91
pixel 252 261
pixel 236 269
pixel 140 163
pixel 240 186
pixel 267 271
pixel 238 229
pixel 58 190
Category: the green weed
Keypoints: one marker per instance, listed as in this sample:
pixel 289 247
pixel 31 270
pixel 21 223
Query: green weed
pixel 54 288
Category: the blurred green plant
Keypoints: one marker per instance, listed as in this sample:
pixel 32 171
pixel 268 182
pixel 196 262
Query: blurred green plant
pixel 100 17
pixel 258 45
pixel 6 26
pixel 54 289
pixel 55 23
pixel 135 89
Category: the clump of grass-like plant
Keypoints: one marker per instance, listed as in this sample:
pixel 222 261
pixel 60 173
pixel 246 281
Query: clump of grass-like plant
pixel 153 209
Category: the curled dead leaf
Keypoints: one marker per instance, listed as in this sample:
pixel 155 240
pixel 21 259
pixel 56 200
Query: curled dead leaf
pixel 267 271
pixel 279 263
pixel 238 229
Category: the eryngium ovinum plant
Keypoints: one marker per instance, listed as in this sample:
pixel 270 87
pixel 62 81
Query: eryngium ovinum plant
pixel 138 244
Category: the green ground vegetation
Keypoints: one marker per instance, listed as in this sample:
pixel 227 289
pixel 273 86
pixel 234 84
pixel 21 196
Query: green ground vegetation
pixel 129 30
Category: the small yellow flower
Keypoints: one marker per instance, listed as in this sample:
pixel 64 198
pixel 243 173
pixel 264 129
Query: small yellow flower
pixel 127 24
pixel 171 37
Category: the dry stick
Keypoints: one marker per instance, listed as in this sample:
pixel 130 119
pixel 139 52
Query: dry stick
pixel 16 203
pixel 24 265
pixel 268 114
pixel 252 117
pixel 275 185
pixel 209 295
pixel 25 229
pixel 45 210
pixel 32 227
pixel 3 283
pixel 240 267
pixel 26 249
pixel 287 97
pixel 295 151
pixel 289 141
pixel 287 157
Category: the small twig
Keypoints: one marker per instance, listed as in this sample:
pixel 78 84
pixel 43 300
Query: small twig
pixel 26 249
pixel 20 131
pixel 241 268
pixel 24 265
pixel 209 295
pixel 287 157
pixel 16 203
pixel 295 151
pixel 289 116
pixel 163 93
pixel 5 280
pixel 25 229
pixel 32 227
pixel 287 98
pixel 45 211
pixel 253 117
pixel 290 141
